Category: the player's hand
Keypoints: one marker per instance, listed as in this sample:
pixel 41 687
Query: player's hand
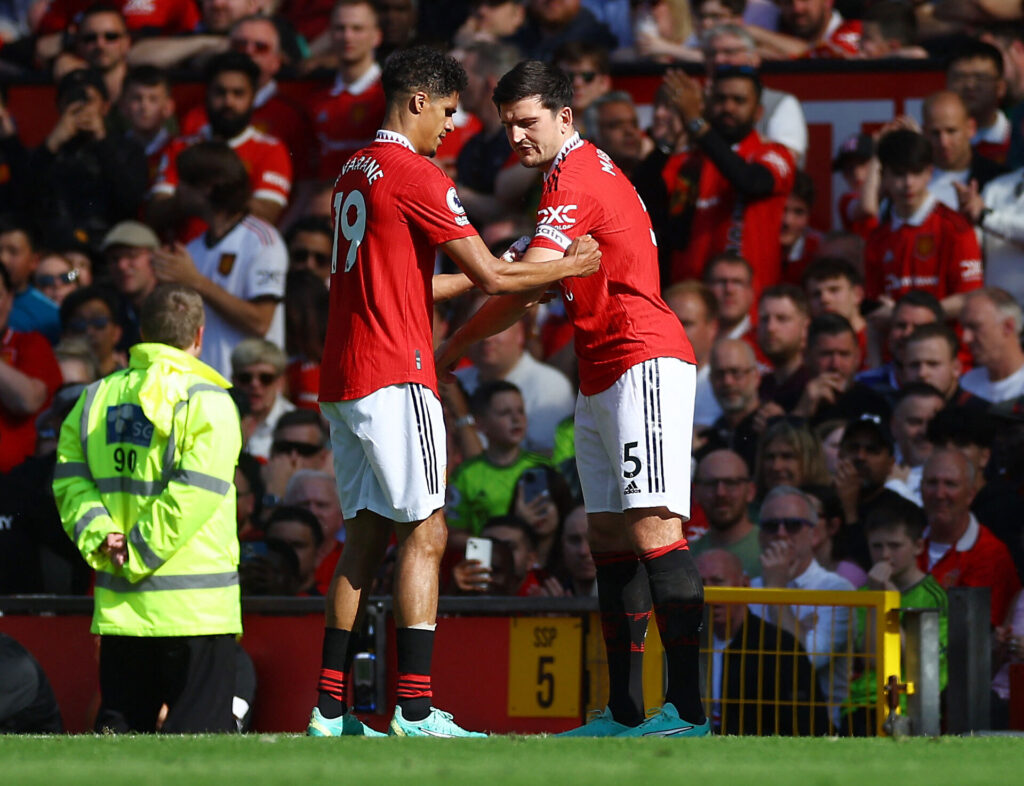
pixel 116 548
pixel 776 564
pixel 540 512
pixel 66 128
pixel 686 94
pixel 174 264
pixel 471 575
pixel 90 121
pixel 586 254
pixel 880 576
pixel 823 389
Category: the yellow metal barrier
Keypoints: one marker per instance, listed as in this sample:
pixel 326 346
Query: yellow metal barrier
pixel 796 689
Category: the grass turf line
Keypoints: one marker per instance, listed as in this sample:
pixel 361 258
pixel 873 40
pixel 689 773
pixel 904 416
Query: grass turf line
pixel 717 761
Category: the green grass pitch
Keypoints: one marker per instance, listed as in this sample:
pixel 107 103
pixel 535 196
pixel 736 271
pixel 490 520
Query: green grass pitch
pixel 287 759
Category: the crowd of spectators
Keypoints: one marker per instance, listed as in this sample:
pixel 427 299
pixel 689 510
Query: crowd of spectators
pixel 841 372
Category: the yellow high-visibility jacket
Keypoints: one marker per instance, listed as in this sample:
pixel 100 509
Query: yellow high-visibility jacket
pixel 151 452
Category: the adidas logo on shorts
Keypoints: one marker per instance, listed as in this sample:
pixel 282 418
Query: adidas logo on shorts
pixel 632 488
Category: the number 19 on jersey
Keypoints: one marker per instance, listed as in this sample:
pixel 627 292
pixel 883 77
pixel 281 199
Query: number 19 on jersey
pixel 350 224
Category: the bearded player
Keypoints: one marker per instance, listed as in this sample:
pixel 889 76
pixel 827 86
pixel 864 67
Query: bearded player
pixel 634 414
pixel 378 389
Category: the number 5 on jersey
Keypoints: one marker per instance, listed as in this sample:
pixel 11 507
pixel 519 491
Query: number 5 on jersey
pixel 350 223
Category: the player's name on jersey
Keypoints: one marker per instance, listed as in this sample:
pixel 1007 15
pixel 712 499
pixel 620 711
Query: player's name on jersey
pixel 366 164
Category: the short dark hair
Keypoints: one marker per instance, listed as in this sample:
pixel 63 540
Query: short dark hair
pixel 973 49
pixel 574 51
pixel 302 516
pixel 103 8
pixel 919 298
pixel 78 80
pixel 147 76
pixel 698 289
pixel 319 224
pixel 829 325
pixel 422 68
pixel 789 292
pixel 728 258
pixel 303 417
pixel 918 389
pixel 216 166
pixel 746 72
pixel 902 151
pixel 803 188
pixel 514 522
pixel 895 511
pixel 78 297
pixel 252 470
pixel 825 268
pixel 481 399
pixel 13 222
pixel 936 330
pixel 961 426
pixel 532 78
pixel 233 62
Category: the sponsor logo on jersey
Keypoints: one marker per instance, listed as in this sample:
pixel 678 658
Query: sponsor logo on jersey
pixel 895 283
pixel 632 488
pixel 606 162
pixel 138 7
pixel 971 269
pixel 265 277
pixel 226 264
pixel 561 216
pixel 277 179
pixel 128 424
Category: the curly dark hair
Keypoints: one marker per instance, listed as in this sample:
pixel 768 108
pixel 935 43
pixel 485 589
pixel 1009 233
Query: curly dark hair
pixel 408 71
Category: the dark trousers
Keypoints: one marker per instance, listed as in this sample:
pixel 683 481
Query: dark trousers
pixel 193 675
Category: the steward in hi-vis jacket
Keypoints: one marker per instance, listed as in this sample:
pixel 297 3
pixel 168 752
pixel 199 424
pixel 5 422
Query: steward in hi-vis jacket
pixel 145 488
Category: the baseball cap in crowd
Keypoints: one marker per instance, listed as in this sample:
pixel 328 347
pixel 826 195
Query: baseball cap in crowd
pixel 855 149
pixel 869 423
pixel 132 234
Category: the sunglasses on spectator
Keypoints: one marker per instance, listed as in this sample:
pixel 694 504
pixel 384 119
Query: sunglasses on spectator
pixel 109 36
pixel 302 448
pixel 586 76
pixel 247 377
pixel 81 325
pixel 248 45
pixel 319 257
pixel 45 280
pixel 792 526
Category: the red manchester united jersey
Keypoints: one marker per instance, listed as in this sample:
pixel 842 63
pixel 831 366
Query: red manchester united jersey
pixel 392 206
pixel 724 221
pixel 345 118
pixel 863 226
pixel 166 16
pixel 841 39
pixel 935 250
pixel 619 317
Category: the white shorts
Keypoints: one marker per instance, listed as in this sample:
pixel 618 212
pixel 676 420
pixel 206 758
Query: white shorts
pixel 390 452
pixel 633 439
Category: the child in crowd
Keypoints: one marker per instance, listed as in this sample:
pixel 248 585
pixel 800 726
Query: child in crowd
pixel 895 533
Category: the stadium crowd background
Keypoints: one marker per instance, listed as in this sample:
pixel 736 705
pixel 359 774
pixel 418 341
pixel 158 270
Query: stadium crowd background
pixel 876 362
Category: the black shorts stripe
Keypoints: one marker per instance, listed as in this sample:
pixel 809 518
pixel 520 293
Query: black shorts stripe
pixel 645 390
pixel 426 439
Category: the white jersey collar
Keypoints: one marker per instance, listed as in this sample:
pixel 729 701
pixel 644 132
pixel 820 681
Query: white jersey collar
pixel 394 138
pixel 572 143
pixel 358 86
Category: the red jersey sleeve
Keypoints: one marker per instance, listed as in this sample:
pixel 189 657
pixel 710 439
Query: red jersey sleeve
pixel 36 359
pixel 779 161
pixel 275 177
pixel 964 271
pixel 436 209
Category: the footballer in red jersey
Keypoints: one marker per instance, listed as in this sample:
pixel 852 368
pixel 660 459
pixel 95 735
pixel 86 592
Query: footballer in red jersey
pixel 634 414
pixel 742 181
pixel 922 244
pixel 378 385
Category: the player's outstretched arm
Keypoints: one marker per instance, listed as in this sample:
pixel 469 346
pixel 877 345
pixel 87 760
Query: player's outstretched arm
pixel 498 277
pixel 448 285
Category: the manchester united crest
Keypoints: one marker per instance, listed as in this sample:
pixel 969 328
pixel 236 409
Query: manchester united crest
pixel 924 246
pixel 227 262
